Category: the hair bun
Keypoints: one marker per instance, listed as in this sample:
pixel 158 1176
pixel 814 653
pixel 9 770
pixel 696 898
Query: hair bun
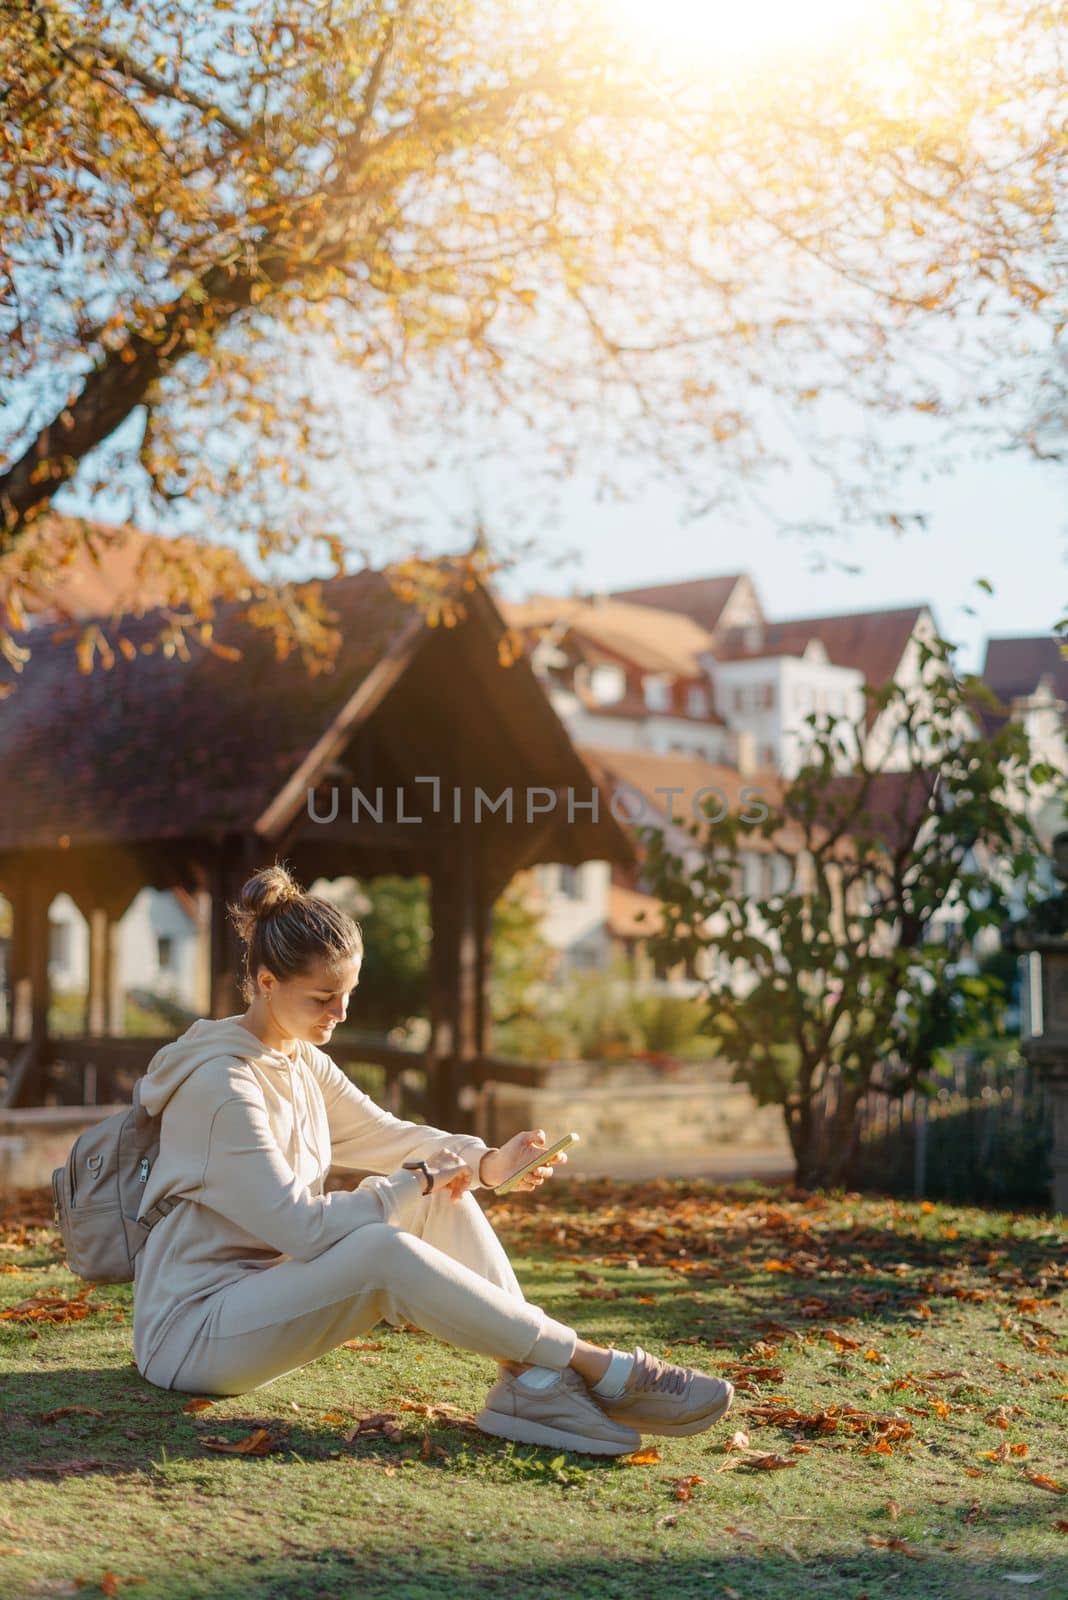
pixel 265 892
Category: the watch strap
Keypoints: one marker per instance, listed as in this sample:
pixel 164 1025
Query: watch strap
pixel 420 1166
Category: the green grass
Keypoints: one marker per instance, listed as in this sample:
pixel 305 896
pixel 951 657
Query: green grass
pixel 829 1302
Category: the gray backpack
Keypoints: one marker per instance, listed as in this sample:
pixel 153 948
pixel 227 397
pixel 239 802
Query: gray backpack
pixel 97 1193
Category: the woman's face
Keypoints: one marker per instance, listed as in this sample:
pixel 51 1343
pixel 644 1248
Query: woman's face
pixel 311 1005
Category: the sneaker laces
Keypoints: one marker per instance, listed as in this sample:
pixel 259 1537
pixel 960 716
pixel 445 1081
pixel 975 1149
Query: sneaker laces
pixel 652 1373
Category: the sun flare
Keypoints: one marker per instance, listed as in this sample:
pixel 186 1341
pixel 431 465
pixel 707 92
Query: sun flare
pixel 731 36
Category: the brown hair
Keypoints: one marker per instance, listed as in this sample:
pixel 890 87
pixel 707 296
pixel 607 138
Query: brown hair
pixel 285 929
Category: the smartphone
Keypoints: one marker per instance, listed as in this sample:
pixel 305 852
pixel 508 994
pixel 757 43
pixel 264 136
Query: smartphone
pixel 537 1160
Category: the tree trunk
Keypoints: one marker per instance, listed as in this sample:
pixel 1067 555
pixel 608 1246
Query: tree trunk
pixel 824 1151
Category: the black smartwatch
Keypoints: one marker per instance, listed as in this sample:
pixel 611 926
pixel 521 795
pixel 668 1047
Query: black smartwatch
pixel 420 1166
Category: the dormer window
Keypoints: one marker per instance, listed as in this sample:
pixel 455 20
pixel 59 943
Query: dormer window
pixel 607 684
pixel 658 692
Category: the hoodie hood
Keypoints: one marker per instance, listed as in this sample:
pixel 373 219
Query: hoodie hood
pixel 204 1040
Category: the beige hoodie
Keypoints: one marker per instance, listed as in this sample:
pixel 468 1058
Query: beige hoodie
pixel 247 1138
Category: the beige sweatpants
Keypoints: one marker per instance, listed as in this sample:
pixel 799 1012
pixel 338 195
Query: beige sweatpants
pixel 446 1271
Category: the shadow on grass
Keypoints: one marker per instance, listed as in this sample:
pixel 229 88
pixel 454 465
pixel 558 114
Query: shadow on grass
pixel 139 1424
pixel 338 1572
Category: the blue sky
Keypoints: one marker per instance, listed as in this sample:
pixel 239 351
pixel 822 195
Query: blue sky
pixel 1004 520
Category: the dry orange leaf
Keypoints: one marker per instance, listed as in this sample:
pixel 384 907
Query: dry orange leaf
pixel 197 1405
pixel 901 1546
pixel 69 1411
pixel 1041 1481
pixel 1061 1526
pixel 382 1423
pixel 257 1443
pixel 769 1463
pixel 684 1487
pixel 48 1305
pixel 362 1344
pixel 647 1457
pixel 109 1583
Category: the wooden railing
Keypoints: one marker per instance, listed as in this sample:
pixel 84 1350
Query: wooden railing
pixel 83 1070
pixel 103 1070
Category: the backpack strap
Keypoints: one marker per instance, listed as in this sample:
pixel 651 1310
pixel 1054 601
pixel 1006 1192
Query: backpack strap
pixel 156 1213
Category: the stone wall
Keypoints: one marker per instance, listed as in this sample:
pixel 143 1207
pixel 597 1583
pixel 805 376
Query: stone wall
pixel 631 1112
pixel 37 1139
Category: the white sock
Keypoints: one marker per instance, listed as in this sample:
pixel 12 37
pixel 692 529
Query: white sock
pixel 537 1377
pixel 614 1381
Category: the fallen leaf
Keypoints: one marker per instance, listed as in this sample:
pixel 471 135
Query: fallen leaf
pixel 743 1533
pixel 257 1443
pixel 769 1463
pixel 69 1411
pixel 49 1305
pixel 737 1441
pixel 195 1406
pixel 900 1546
pixel 1041 1481
pixel 646 1457
pixel 61 1469
pixel 362 1344
pixel 109 1583
pixel 382 1423
pixel 892 1509
pixel 684 1487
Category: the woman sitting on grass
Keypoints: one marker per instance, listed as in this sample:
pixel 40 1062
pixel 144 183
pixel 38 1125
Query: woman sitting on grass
pixel 255 1270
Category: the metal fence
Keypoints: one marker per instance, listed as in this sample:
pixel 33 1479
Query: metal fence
pixel 984 1135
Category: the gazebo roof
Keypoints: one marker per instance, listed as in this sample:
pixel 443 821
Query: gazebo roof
pixel 160 749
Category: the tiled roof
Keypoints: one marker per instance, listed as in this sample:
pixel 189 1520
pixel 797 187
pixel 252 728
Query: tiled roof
pixel 161 748
pixel 80 568
pixel 653 641
pixel 873 642
pixel 701 599
pixel 895 802
pixel 1013 667
pixel 647 771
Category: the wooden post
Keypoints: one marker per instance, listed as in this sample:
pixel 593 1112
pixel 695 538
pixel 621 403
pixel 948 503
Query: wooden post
pixel 229 870
pixel 459 969
pixel 31 897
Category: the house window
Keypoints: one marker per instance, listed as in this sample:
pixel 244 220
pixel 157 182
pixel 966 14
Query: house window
pixel 165 953
pixel 754 696
pixel 607 684
pixel 570 883
pixel 697 701
pixel 658 693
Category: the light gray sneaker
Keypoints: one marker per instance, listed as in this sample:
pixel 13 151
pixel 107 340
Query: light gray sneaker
pixel 661 1398
pixel 563 1415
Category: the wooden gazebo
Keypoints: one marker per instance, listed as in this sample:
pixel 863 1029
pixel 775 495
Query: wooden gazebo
pixel 161 772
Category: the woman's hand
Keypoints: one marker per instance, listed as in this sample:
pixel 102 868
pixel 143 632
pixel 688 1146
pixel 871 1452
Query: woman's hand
pixel 450 1172
pixel 500 1164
